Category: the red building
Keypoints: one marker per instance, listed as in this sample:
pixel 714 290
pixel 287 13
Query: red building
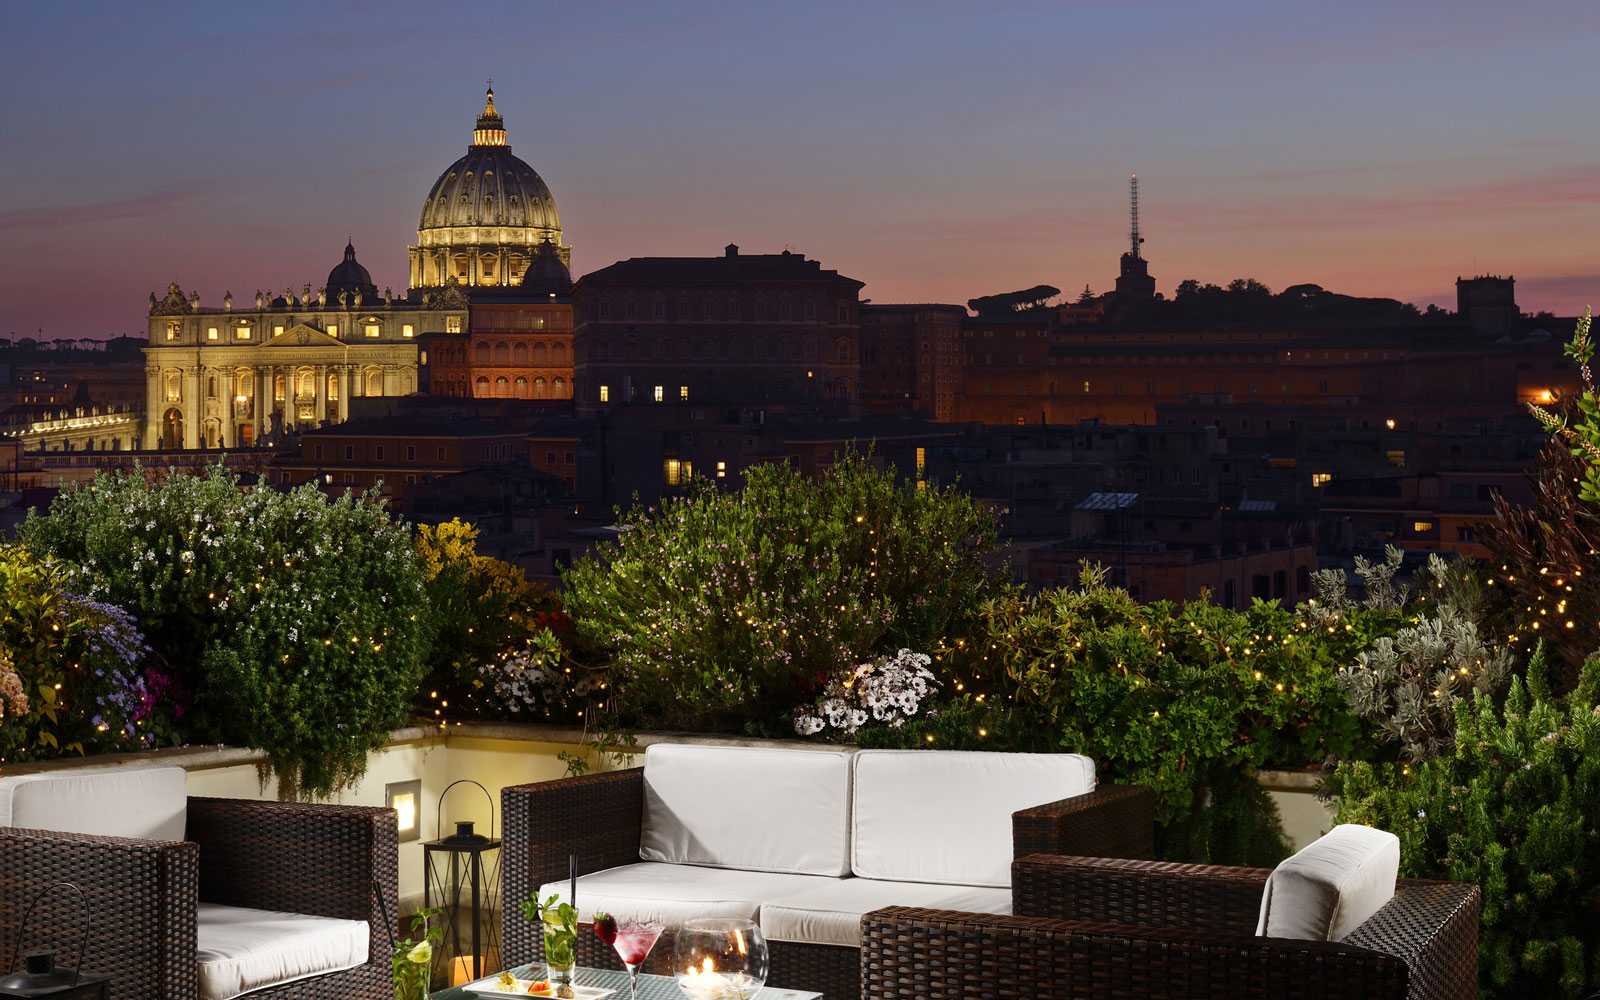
pixel 911 359
pixel 518 343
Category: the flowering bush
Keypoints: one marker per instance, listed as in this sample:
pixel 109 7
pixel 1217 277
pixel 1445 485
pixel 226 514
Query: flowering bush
pixel 74 673
pixel 724 610
pixel 299 623
pixel 888 690
pixel 1187 700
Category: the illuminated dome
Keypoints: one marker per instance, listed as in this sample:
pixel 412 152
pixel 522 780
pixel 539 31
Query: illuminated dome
pixel 486 216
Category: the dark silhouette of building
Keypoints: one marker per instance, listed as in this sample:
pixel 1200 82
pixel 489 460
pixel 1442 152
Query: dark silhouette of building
pixel 772 330
pixel 1488 304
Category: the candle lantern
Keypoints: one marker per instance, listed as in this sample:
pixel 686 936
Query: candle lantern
pixel 716 959
pixel 461 875
pixel 39 975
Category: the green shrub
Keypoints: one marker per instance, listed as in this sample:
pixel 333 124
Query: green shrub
pixel 297 621
pixel 72 671
pixel 1512 806
pixel 502 645
pixel 725 610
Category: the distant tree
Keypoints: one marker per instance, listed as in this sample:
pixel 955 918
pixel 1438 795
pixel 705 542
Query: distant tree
pixel 1086 296
pixel 1188 287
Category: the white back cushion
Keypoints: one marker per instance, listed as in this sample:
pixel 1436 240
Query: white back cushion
pixel 756 809
pixel 147 803
pixel 945 816
pixel 1331 886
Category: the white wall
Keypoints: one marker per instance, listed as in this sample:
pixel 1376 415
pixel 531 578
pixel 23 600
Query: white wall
pixel 437 761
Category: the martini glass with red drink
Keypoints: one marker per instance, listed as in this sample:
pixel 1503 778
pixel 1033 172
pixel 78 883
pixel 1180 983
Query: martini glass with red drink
pixel 632 940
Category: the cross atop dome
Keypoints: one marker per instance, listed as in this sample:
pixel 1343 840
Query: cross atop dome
pixel 491 128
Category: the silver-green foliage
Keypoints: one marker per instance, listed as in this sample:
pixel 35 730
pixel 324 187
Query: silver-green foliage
pixel 1407 685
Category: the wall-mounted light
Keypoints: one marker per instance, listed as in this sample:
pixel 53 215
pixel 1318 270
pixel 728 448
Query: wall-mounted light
pixel 405 798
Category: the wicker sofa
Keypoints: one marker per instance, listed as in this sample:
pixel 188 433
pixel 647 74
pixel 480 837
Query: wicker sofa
pixel 804 841
pixel 1107 928
pixel 201 898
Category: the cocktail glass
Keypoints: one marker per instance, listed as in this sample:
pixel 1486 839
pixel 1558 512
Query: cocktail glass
pixel 635 939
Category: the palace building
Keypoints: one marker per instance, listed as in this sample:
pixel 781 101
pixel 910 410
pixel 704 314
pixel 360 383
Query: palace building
pixel 489 240
pixel 220 377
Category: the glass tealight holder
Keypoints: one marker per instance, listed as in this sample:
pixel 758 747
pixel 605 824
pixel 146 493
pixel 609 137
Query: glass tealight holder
pixel 715 959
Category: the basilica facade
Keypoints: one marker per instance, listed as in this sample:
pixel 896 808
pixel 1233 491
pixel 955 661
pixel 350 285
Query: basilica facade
pixel 238 375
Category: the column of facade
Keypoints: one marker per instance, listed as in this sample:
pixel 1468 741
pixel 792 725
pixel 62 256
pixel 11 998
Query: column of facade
pixel 153 409
pixel 191 405
pixel 322 394
pixel 225 397
pixel 261 380
pixel 344 393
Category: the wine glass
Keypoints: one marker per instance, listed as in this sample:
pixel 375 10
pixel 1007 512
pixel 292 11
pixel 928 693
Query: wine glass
pixel 633 941
pixel 720 959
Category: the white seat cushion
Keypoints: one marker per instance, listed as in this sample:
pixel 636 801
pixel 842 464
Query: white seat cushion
pixel 765 809
pixel 1331 886
pixel 945 816
pixel 830 913
pixel 242 950
pixel 146 803
pixel 672 894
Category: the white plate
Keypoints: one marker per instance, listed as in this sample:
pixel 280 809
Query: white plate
pixel 490 988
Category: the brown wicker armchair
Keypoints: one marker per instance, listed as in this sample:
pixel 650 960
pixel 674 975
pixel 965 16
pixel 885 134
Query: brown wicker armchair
pixel 309 859
pixel 598 818
pixel 1105 928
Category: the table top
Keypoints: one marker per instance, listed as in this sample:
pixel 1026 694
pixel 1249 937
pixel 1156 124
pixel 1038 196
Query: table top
pixel 650 987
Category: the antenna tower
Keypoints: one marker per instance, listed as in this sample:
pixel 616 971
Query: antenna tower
pixel 1133 212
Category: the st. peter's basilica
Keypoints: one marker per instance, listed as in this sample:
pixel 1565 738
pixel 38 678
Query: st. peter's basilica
pixel 240 373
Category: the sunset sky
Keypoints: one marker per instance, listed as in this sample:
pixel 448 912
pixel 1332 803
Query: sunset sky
pixel 934 150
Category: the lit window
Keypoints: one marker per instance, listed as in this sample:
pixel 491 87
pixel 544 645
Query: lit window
pixel 1321 479
pixel 212 333
pixel 277 331
pixel 422 358
pixel 1085 387
pixel 672 469
pixel 407 331
pixel 452 324
pixel 722 470
pixel 1421 527
pixel 372 330
pixel 605 394
pixel 683 393
pixel 660 393
pixel 922 462
pixel 243 333
pixel 172 329
pixel 1396 458
pixel 333 329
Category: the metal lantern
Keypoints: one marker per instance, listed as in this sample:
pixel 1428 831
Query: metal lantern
pixel 39 976
pixel 465 864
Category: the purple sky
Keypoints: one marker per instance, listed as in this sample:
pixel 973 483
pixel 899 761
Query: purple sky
pixel 932 150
